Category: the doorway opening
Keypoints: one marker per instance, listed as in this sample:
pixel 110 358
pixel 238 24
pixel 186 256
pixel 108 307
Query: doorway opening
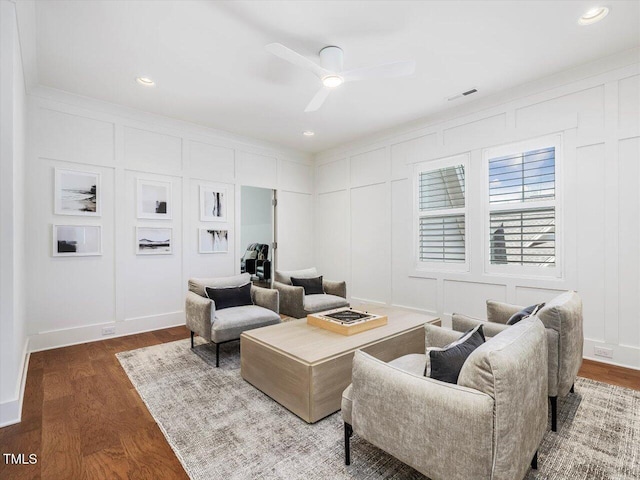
pixel 258 234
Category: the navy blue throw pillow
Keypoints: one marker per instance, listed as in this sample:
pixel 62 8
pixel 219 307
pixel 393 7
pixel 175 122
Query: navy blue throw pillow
pixel 524 313
pixel 227 297
pixel 312 286
pixel 445 363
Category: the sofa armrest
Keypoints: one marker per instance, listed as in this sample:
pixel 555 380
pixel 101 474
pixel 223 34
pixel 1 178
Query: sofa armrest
pixel 421 421
pixel 199 312
pixel 265 297
pixel 291 300
pixel 335 288
pixel 462 323
pixel 500 312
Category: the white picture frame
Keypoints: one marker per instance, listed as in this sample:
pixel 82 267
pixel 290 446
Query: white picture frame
pixel 154 241
pixel 154 200
pixel 77 240
pixel 77 193
pixel 212 240
pixel 213 204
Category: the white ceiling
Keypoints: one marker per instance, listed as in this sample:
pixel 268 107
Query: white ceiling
pixel 211 68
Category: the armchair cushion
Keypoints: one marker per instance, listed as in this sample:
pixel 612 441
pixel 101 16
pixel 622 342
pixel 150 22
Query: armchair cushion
pixel 312 286
pixel 229 323
pixel 196 285
pixel 228 297
pixel 284 276
pixel 445 363
pixel 320 303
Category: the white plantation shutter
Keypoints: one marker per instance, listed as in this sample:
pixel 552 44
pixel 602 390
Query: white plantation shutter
pixel 522 207
pixel 442 215
pixel 524 237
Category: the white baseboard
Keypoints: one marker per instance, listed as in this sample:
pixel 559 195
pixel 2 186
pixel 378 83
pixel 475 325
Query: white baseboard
pixel 623 355
pixel 11 411
pixel 93 333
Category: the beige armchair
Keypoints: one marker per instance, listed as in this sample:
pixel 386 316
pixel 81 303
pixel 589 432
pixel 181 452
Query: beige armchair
pixel 487 426
pixel 294 302
pixel 226 325
pixel 562 318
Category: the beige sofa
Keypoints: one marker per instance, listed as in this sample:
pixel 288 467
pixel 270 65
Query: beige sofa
pixel 226 325
pixel 488 426
pixel 562 318
pixel 294 302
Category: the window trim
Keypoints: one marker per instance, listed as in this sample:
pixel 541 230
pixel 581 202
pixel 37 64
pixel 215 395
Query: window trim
pixel 426 269
pixel 522 271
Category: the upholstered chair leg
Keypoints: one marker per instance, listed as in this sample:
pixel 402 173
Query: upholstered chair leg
pixel 534 461
pixel 573 388
pixel 192 334
pixel 554 413
pixel 217 355
pixel 348 431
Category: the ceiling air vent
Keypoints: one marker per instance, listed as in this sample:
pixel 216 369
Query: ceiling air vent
pixel 463 94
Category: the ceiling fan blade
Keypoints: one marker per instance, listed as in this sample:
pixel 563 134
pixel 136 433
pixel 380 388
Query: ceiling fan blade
pixel 318 99
pixel 387 70
pixel 289 55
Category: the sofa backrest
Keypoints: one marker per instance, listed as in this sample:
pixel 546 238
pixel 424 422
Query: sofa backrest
pixel 284 276
pixel 512 368
pixel 564 315
pixel 196 285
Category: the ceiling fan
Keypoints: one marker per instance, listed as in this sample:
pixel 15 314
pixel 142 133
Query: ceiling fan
pixel 330 70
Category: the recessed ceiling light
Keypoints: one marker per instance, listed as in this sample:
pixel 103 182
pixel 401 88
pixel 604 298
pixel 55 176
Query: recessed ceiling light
pixel 593 15
pixel 332 81
pixel 146 81
pixel 308 133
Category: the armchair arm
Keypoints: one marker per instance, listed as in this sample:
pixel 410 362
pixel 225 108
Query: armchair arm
pixel 291 300
pixel 198 312
pixel 462 323
pixel 265 297
pixel 250 265
pixel 435 336
pixel 421 421
pixel 499 312
pixel 335 288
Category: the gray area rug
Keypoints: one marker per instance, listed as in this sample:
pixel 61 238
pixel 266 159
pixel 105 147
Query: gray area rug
pixel 220 427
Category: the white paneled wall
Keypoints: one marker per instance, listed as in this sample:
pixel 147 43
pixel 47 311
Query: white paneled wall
pixel 368 186
pixel 73 298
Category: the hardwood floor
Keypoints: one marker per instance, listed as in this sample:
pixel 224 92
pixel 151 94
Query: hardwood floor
pixel 603 372
pixel 84 420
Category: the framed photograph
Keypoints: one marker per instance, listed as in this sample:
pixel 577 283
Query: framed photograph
pixel 77 193
pixel 77 240
pixel 213 241
pixel 213 204
pixel 154 241
pixel 154 199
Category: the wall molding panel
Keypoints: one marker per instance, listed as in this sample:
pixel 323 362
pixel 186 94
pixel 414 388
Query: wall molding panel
pixel 136 293
pixel 596 110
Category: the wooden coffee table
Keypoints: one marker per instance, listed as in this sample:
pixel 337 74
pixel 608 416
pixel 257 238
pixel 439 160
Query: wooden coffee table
pixel 306 368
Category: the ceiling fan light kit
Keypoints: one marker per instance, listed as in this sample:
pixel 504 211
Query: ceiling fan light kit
pixel 332 81
pixel 330 71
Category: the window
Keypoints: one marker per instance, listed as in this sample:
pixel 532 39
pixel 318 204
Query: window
pixel 522 206
pixel 441 213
